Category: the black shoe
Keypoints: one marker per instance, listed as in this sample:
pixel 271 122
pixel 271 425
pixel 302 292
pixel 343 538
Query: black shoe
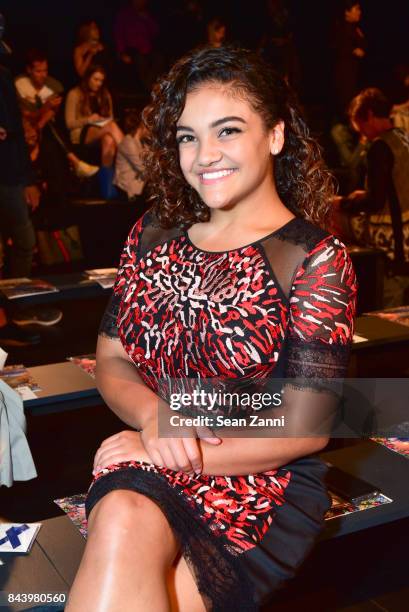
pixel 12 335
pixel 37 316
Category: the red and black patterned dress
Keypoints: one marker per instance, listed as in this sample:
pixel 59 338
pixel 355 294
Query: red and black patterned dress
pixel 283 303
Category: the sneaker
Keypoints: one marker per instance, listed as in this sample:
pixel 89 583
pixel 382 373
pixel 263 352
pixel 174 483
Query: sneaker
pixel 38 316
pixel 84 170
pixel 12 335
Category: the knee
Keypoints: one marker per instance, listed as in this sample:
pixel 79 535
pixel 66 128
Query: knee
pixel 108 141
pixel 122 504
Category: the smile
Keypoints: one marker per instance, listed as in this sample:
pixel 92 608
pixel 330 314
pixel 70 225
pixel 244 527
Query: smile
pixel 217 175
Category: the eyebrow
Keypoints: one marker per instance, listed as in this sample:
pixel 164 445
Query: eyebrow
pixel 214 124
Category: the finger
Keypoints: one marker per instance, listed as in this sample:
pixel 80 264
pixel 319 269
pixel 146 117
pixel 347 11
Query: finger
pixel 112 446
pixel 206 434
pixel 156 458
pixel 181 457
pixel 113 458
pixel 168 458
pixel 192 450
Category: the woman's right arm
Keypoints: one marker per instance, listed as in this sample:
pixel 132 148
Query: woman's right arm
pixel 121 386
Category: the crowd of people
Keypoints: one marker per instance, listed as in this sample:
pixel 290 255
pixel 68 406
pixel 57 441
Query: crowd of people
pixel 79 130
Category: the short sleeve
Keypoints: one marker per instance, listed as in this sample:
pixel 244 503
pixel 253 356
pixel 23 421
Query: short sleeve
pixel 318 341
pixel 322 310
pixel 126 268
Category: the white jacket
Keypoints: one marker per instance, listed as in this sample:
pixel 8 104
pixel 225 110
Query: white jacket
pixel 16 461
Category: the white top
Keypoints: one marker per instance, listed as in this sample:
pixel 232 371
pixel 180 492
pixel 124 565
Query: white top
pixel 29 93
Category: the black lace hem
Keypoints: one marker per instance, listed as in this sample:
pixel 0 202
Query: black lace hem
pixel 316 360
pixel 222 582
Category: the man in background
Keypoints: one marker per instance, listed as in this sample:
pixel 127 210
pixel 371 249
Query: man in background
pixel 385 199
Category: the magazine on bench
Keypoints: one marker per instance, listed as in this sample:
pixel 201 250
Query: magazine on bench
pixel 85 362
pixel 103 276
pixel 397 445
pixel 19 378
pixel 14 288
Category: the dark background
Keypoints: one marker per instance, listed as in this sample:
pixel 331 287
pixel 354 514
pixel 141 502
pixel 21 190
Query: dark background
pixel 51 25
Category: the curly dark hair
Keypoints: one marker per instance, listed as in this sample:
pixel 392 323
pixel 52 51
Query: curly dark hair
pixel 303 182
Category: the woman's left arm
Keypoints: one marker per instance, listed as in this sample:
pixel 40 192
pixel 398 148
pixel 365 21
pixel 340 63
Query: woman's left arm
pixel 319 336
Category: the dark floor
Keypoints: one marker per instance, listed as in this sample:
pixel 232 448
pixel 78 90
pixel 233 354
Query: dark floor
pixel 364 572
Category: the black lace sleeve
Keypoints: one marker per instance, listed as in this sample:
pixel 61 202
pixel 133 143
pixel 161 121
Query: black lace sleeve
pixel 109 326
pixel 320 332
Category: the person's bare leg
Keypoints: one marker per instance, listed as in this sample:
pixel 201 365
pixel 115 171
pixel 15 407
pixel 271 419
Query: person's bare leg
pixel 129 552
pixel 183 591
pixel 114 130
pixel 108 150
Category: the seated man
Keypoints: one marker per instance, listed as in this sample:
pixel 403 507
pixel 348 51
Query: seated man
pixel 386 197
pixel 40 98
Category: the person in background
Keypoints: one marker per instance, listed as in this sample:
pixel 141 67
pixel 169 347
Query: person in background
pixel 18 196
pixel 40 98
pixel 386 197
pixel 89 118
pixel 400 112
pixel 89 47
pixel 129 164
pixel 135 33
pixel 277 44
pixel 216 32
pixel 349 46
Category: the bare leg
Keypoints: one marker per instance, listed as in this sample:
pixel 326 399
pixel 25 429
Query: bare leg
pixel 108 150
pixel 111 128
pixel 183 591
pixel 130 550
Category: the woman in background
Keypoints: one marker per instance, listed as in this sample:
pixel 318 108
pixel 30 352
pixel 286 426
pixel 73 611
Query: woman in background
pixel 89 47
pixel 89 119
pixel 129 160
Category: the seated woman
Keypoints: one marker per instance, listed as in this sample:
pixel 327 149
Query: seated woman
pixel 227 279
pixel 129 163
pixel 89 47
pixel 89 119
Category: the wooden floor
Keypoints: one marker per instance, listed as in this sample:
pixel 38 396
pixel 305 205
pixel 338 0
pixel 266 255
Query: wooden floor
pixel 364 572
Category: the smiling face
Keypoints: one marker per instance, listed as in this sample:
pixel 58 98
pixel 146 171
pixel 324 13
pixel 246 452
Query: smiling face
pixel 225 151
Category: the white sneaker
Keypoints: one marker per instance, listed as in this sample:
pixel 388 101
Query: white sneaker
pixel 84 170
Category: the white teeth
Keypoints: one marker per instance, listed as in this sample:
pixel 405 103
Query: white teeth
pixel 216 175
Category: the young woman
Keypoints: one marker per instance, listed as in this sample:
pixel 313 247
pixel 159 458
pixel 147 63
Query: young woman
pixel 88 114
pixel 227 269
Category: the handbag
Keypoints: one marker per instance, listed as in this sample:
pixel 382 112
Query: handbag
pixel 57 246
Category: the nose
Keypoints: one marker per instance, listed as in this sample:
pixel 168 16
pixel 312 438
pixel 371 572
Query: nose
pixel 208 152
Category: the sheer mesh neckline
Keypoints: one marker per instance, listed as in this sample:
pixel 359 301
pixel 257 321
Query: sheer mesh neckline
pixel 245 246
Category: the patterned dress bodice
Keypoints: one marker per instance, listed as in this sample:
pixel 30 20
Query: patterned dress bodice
pixel 182 312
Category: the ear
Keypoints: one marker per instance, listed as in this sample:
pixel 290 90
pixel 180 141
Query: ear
pixel 277 138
